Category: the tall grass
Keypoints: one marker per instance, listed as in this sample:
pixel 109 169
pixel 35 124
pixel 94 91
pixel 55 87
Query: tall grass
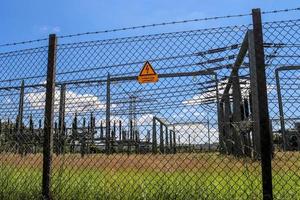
pixel 213 183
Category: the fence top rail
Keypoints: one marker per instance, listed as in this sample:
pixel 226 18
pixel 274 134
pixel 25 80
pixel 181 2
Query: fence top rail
pixel 160 121
pixel 167 75
pixel 124 78
pixel 286 68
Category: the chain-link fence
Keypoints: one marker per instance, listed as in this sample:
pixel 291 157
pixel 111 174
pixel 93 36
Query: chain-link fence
pixel 76 124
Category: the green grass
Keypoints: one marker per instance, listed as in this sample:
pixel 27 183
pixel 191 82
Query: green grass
pixel 242 183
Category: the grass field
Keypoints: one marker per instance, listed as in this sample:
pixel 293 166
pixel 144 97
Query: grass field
pixel 180 176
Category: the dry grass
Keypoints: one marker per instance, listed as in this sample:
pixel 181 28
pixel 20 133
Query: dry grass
pixel 289 161
pixel 179 176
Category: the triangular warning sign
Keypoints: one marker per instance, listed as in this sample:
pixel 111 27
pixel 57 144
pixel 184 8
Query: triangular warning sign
pixel 147 69
pixel 147 74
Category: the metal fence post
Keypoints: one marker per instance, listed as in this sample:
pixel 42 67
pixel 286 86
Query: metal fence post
pixel 61 120
pixel 107 128
pixel 174 141
pixel 154 139
pixel 167 140
pixel 257 73
pixel 161 136
pixel 208 133
pixel 170 141
pixel 49 114
pixel 120 130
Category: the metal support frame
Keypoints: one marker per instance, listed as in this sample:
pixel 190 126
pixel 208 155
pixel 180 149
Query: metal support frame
pixel 21 108
pixel 280 102
pixel 220 112
pixel 19 124
pixel 167 147
pixel 163 135
pixel 161 138
pixel 154 137
pixel 247 138
pixel 61 120
pixel 154 131
pixel 237 113
pixel 171 141
pixel 227 128
pixel 232 140
pixel 238 62
pixel 101 130
pixel 259 105
pixel 120 130
pixel 208 133
pixel 221 126
pixel 174 141
pixel 82 138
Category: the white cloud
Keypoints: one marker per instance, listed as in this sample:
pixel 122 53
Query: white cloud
pixel 198 133
pixel 44 28
pixel 49 29
pixel 74 102
pixel 145 120
pixel 202 97
pixel 56 29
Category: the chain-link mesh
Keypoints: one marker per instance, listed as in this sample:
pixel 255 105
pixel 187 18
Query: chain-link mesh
pixel 187 136
pixel 282 50
pixel 21 128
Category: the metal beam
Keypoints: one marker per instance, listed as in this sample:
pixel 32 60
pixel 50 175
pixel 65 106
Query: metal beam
pixel 280 103
pixel 238 62
pixel 61 119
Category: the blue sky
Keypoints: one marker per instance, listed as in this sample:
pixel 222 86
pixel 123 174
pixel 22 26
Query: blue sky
pixel 31 19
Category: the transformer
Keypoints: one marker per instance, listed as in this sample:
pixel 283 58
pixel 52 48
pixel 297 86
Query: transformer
pixel 292 138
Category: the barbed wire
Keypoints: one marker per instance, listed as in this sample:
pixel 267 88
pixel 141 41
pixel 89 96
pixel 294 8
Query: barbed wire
pixel 150 25
pixel 23 42
pixel 280 11
pixel 175 22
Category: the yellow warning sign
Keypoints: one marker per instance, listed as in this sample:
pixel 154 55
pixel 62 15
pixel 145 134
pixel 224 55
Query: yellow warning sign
pixel 148 74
